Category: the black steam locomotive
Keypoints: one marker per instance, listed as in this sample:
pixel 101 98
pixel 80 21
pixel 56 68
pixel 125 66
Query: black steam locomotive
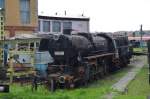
pixel 82 57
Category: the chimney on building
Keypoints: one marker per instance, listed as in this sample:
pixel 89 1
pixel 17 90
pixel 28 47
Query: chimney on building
pixel 56 13
pixel 65 13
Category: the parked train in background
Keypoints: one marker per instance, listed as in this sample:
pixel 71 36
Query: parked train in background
pixel 83 57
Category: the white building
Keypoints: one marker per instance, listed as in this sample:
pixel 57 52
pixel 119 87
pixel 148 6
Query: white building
pixel 49 24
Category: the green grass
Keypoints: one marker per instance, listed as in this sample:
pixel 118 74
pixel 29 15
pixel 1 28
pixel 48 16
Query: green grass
pixel 140 49
pixel 139 88
pixel 94 91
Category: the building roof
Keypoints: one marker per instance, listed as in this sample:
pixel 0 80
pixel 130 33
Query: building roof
pixel 64 18
pixel 139 38
pixel 24 36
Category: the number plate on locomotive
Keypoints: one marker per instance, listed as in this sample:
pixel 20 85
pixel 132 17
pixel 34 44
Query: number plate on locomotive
pixel 59 52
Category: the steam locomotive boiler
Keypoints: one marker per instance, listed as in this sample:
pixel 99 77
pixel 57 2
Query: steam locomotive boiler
pixel 82 57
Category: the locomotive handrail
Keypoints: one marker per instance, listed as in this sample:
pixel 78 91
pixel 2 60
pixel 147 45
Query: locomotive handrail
pixel 96 56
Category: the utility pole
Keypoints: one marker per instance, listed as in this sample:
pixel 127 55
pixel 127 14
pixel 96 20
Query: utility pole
pixel 141 35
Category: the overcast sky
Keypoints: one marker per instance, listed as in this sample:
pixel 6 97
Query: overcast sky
pixel 105 15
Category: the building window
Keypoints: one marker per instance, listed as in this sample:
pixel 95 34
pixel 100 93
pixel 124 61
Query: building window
pixel 67 25
pixel 39 25
pixel 23 46
pixel 25 11
pixel 1 3
pixel 37 45
pixel 56 26
pixel 46 26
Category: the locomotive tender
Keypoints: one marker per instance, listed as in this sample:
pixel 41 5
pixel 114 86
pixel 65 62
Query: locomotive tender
pixel 82 57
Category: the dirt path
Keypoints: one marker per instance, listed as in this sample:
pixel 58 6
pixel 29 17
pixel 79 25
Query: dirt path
pixel 121 85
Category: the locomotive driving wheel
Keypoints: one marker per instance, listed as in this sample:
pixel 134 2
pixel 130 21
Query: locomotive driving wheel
pixel 106 66
pixel 81 71
pixel 117 62
pixel 82 75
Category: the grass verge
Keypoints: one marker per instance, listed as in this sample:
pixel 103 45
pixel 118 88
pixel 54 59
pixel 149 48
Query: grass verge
pixel 139 88
pixel 94 91
pixel 141 50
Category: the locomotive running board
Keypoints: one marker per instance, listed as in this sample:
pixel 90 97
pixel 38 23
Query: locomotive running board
pixel 97 56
